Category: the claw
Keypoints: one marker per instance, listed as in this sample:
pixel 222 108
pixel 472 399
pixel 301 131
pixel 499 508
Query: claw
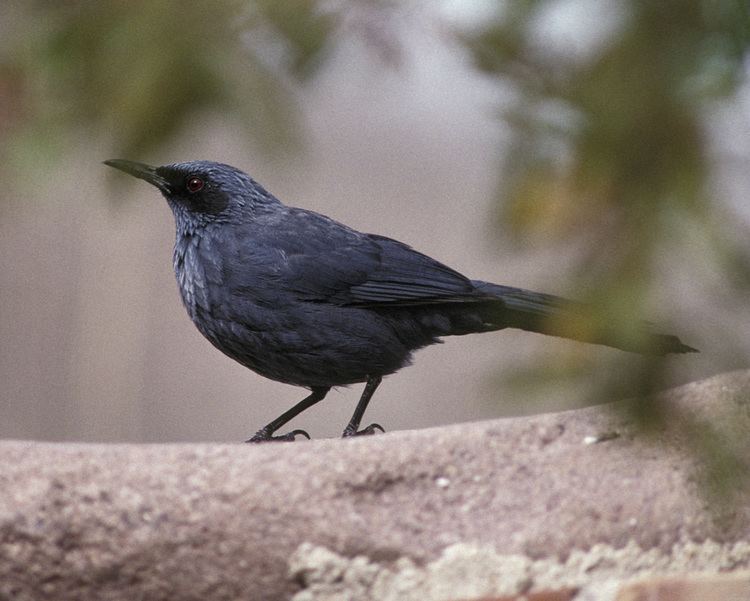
pixel 264 435
pixel 294 433
pixel 371 429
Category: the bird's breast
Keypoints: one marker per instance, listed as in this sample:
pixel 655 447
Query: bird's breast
pixel 190 272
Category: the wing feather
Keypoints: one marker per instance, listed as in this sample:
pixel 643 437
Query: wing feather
pixel 349 268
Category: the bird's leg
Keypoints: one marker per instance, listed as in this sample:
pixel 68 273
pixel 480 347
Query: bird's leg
pixel 352 429
pixel 266 432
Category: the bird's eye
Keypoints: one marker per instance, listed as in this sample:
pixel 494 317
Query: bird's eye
pixel 194 184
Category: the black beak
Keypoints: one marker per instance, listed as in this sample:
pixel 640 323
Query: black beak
pixel 141 171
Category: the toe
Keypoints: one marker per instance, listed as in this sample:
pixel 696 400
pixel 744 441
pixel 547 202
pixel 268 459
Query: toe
pixel 371 429
pixel 266 436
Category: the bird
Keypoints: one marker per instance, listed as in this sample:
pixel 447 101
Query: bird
pixel 302 299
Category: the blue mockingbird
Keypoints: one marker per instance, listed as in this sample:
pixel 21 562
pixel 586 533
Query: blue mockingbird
pixel 299 298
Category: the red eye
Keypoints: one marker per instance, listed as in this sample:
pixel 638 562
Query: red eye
pixel 194 184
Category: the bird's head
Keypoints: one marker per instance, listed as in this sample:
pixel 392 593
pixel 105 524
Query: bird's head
pixel 201 192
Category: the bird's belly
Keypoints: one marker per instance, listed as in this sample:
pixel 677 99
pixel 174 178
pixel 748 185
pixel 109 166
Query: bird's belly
pixel 307 344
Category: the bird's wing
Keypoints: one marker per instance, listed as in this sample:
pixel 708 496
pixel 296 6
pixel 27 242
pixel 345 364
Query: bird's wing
pixel 404 276
pixel 332 263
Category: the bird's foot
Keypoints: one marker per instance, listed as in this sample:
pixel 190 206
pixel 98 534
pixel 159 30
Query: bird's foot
pixel 264 435
pixel 352 431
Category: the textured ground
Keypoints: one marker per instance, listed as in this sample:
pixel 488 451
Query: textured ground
pixel 576 499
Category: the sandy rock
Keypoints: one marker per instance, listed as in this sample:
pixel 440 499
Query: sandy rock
pixel 726 587
pixel 577 498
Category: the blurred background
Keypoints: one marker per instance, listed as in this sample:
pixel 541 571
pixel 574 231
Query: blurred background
pixel 595 149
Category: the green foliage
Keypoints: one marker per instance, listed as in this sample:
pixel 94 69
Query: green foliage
pixel 139 71
pixel 633 169
pixel 625 176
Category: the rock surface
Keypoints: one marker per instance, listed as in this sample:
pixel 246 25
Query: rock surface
pixel 579 498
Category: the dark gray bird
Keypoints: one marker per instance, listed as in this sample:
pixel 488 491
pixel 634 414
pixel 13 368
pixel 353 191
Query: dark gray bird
pixel 301 299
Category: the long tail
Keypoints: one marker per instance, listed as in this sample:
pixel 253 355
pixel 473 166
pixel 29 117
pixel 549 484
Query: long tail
pixel 547 314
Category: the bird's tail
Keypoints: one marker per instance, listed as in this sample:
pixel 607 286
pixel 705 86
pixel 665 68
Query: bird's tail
pixel 547 314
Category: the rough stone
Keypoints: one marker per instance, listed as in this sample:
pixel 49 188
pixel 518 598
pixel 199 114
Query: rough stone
pixel 526 503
